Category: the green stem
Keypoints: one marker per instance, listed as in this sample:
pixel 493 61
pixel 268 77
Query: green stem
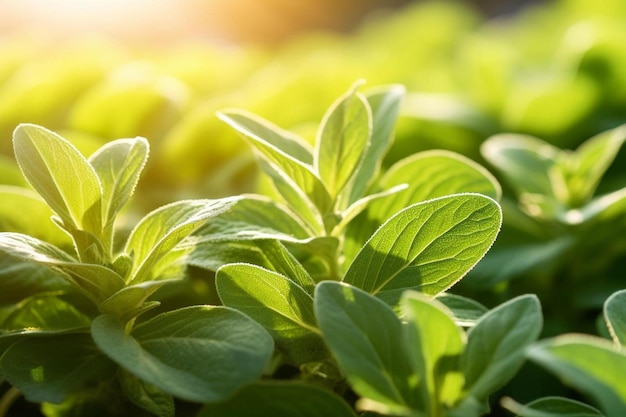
pixel 8 399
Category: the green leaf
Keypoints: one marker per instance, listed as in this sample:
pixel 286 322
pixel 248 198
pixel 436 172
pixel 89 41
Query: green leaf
pixel 365 336
pixel 342 140
pixel 95 281
pixel 130 301
pixel 496 346
pixel 47 369
pixel 466 311
pixel 61 175
pixel 21 278
pixel 279 156
pixel 602 378
pixel 46 312
pixel 118 165
pixel 197 353
pixel 146 396
pixel 283 262
pixel 280 399
pixel 162 229
pixel 427 246
pixel 279 304
pixel 524 161
pixel 385 105
pixel 615 316
pixel 435 345
pixel 551 407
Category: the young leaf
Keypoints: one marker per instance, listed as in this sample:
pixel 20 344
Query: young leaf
pixel 279 156
pixel 615 316
pixel 47 369
pixel 435 345
pixel 130 301
pixel 568 357
pixel 118 164
pixel 95 281
pixel 277 303
pixel 385 105
pixel 280 399
pixel 162 229
pixel 496 345
pixel 61 175
pixel 343 137
pixel 551 407
pixel 427 246
pixel 197 353
pixel 466 311
pixel 365 336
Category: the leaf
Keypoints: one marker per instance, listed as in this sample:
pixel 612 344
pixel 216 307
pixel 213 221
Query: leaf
pixel 197 353
pixel 277 303
pixel 496 345
pixel 146 395
pixel 95 281
pixel 61 175
pixel 435 345
pixel 342 140
pixel 130 301
pixel 615 316
pixel 602 378
pixel 427 246
pixel 162 229
pixel 466 311
pixel 551 407
pixel 365 336
pixel 47 369
pixel 20 278
pixel 46 312
pixel 118 165
pixel 279 156
pixel 385 106
pixel 280 399
pixel 524 161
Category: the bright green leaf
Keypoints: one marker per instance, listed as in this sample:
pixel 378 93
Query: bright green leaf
pixel 615 316
pixel 342 140
pixel 280 399
pixel 162 229
pixel 427 246
pixel 466 311
pixel 568 357
pixel 47 369
pixel 365 336
pixel 435 345
pixel 197 353
pixel 496 346
pixel 61 175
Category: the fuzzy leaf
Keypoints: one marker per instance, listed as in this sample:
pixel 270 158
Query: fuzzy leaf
pixel 47 312
pixel 427 246
pixel 602 378
pixel 47 369
pixel 615 316
pixel 197 353
pixel 280 399
pixel 118 165
pixel 61 175
pixel 21 278
pixel 365 336
pixel 342 140
pixel 496 346
pixel 162 229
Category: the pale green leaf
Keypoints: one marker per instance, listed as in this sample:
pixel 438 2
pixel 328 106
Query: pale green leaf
pixel 280 156
pixel 602 378
pixel 197 353
pixel 385 106
pixel 466 311
pixel 61 175
pixel 551 407
pixel 95 281
pixel 615 316
pixel 276 302
pixel 342 140
pixel 131 300
pixel 435 344
pixel 427 246
pixel 524 161
pixel 280 399
pixel 365 336
pixel 118 164
pixel 496 346
pixel 162 229
pixel 47 369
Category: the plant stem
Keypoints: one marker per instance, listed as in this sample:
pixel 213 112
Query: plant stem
pixel 8 399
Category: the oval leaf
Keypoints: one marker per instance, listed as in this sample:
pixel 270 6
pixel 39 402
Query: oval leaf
pixel 197 353
pixel 615 316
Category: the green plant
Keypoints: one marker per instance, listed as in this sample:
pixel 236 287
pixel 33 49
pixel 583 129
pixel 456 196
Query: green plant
pixel 68 342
